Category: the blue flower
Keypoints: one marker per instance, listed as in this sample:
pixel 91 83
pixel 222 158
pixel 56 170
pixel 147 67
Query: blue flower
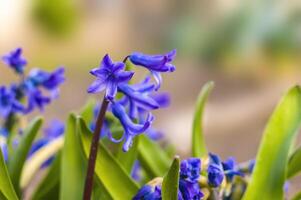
pixel 155 63
pixel 108 76
pixel 190 169
pixel 15 60
pixel 138 99
pixel 215 171
pixel 49 80
pixel 8 103
pixel 230 169
pixel 130 129
pixel 148 192
pixel 189 191
pixel 36 99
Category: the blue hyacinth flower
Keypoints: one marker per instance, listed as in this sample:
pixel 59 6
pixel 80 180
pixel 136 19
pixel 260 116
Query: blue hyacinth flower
pixel 8 102
pixel 155 63
pixel 108 76
pixel 148 192
pixel 49 80
pixel 189 191
pixel 190 169
pixel 15 60
pixel 230 169
pixel 36 100
pixel 130 128
pixel 215 171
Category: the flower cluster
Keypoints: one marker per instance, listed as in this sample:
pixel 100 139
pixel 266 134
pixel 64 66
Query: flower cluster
pixel 133 106
pixel 208 179
pixel 23 97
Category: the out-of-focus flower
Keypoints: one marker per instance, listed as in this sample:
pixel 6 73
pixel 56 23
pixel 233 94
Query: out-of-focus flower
pixel 8 103
pixel 36 99
pixel 108 76
pixel 155 63
pixel 230 168
pixel 215 171
pixel 130 129
pixel 15 60
pixel 49 80
pixel 148 192
pixel 189 190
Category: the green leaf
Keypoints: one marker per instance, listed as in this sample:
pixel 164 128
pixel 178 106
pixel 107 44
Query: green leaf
pixel 269 174
pixel 127 159
pixel 87 113
pixel 198 141
pixel 294 164
pixel 297 196
pixel 170 185
pixel 48 188
pixel 111 174
pixel 152 158
pixel 73 168
pixel 15 165
pixel 6 187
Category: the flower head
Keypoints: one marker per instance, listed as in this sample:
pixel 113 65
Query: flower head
pixel 148 192
pixel 230 168
pixel 190 169
pixel 8 103
pixel 36 99
pixel 215 171
pixel 155 63
pixel 108 76
pixel 189 191
pixel 15 60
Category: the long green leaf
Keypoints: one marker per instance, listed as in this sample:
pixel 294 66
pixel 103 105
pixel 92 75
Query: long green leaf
pixel 19 156
pixel 111 174
pixel 294 164
pixel 127 159
pixel 153 159
pixel 170 185
pixel 48 188
pixel 270 170
pixel 198 141
pixel 6 187
pixel 73 168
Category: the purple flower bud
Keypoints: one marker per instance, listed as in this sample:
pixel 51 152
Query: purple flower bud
pixel 215 171
pixel 148 192
pixel 36 99
pixel 108 76
pixel 190 169
pixel 230 169
pixel 189 190
pixel 155 63
pixel 15 60
pixel 8 103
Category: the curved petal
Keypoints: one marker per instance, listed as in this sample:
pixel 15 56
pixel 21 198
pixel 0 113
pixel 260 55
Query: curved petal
pixel 127 143
pixel 97 86
pixel 106 62
pixel 111 90
pixel 124 76
pixel 158 79
pixel 117 66
pixel 110 136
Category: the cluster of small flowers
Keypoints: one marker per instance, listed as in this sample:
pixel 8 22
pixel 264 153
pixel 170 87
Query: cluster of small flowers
pixel 209 179
pixel 136 101
pixel 29 88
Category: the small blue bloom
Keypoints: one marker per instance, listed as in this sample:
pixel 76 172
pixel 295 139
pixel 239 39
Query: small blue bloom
pixel 190 169
pixel 189 191
pixel 155 63
pixel 215 171
pixel 36 99
pixel 130 129
pixel 15 60
pixel 108 76
pixel 230 169
pixel 8 103
pixel 49 80
pixel 148 192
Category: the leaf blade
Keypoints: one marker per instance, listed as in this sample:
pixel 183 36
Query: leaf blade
pixel 170 185
pixel 294 164
pixel 198 141
pixel 270 169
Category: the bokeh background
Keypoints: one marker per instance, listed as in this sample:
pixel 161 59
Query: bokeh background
pixel 251 49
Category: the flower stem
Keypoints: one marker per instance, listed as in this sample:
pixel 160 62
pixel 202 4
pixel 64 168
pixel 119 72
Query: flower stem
pixel 93 150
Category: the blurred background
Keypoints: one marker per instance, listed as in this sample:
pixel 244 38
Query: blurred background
pixel 251 49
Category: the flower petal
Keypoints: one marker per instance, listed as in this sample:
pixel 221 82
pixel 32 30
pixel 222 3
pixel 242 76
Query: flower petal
pixel 97 86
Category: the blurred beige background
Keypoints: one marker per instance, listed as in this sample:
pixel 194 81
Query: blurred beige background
pixel 250 49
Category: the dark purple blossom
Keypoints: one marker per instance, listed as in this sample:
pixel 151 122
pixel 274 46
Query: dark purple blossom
pixel 15 60
pixel 189 191
pixel 108 76
pixel 155 63
pixel 148 192
pixel 130 128
pixel 190 169
pixel 215 171
pixel 36 100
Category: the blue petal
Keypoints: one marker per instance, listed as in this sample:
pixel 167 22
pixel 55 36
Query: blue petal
pixel 97 86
